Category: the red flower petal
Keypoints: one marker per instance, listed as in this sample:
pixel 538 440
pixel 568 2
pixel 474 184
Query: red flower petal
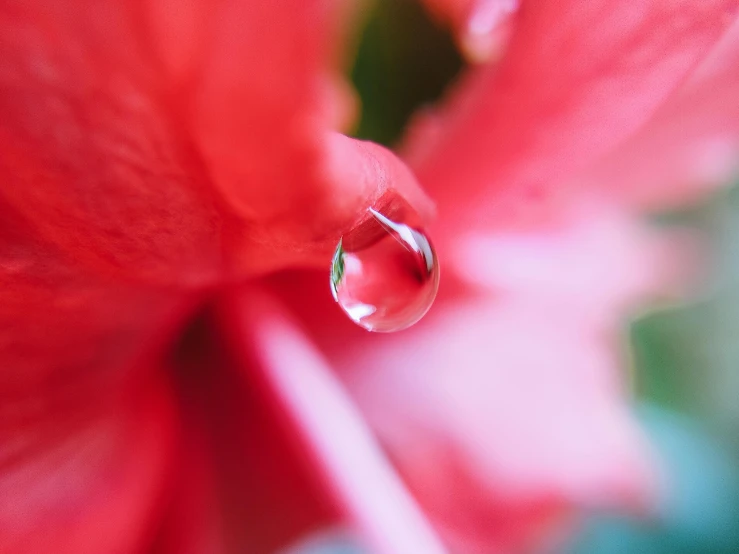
pixel 310 409
pixel 97 487
pixel 173 149
pixel 89 152
pixel 85 428
pixel 67 334
pixel 259 488
pixel 190 518
pixel 131 155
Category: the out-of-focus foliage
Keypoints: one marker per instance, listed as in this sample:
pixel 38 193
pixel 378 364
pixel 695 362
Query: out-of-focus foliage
pixel 404 61
pixel 688 357
pixel 700 507
pixel 687 369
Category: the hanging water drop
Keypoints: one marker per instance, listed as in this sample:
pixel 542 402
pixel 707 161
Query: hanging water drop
pixel 385 273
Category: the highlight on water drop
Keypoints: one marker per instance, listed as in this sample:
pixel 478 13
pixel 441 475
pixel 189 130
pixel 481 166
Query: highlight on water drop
pixel 385 272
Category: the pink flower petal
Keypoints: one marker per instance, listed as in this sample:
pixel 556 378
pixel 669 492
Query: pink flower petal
pixel 483 26
pixel 577 79
pixel 505 409
pixel 691 144
pixel 517 416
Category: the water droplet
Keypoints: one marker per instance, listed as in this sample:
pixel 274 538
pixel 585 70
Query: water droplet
pixel 385 273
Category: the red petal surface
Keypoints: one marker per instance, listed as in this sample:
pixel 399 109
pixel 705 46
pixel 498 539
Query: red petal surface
pixel 274 450
pixel 173 147
pixel 256 478
pixel 310 409
pixel 68 334
pixel 97 485
pixel 147 150
pixel 86 431
pixel 89 151
pixel 190 520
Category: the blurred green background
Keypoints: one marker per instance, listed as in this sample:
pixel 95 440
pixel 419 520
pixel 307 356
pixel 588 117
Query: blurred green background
pixel 403 62
pixel 686 357
pixel 687 396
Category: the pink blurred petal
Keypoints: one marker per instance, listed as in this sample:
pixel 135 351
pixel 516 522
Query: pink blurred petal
pixel 577 79
pixel 483 26
pixel 518 416
pixel 505 409
pixel 598 267
pixel 689 147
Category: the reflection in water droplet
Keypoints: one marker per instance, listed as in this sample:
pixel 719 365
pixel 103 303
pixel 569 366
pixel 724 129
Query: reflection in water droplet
pixel 385 273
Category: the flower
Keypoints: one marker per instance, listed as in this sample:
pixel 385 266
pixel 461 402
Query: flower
pixel 164 390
